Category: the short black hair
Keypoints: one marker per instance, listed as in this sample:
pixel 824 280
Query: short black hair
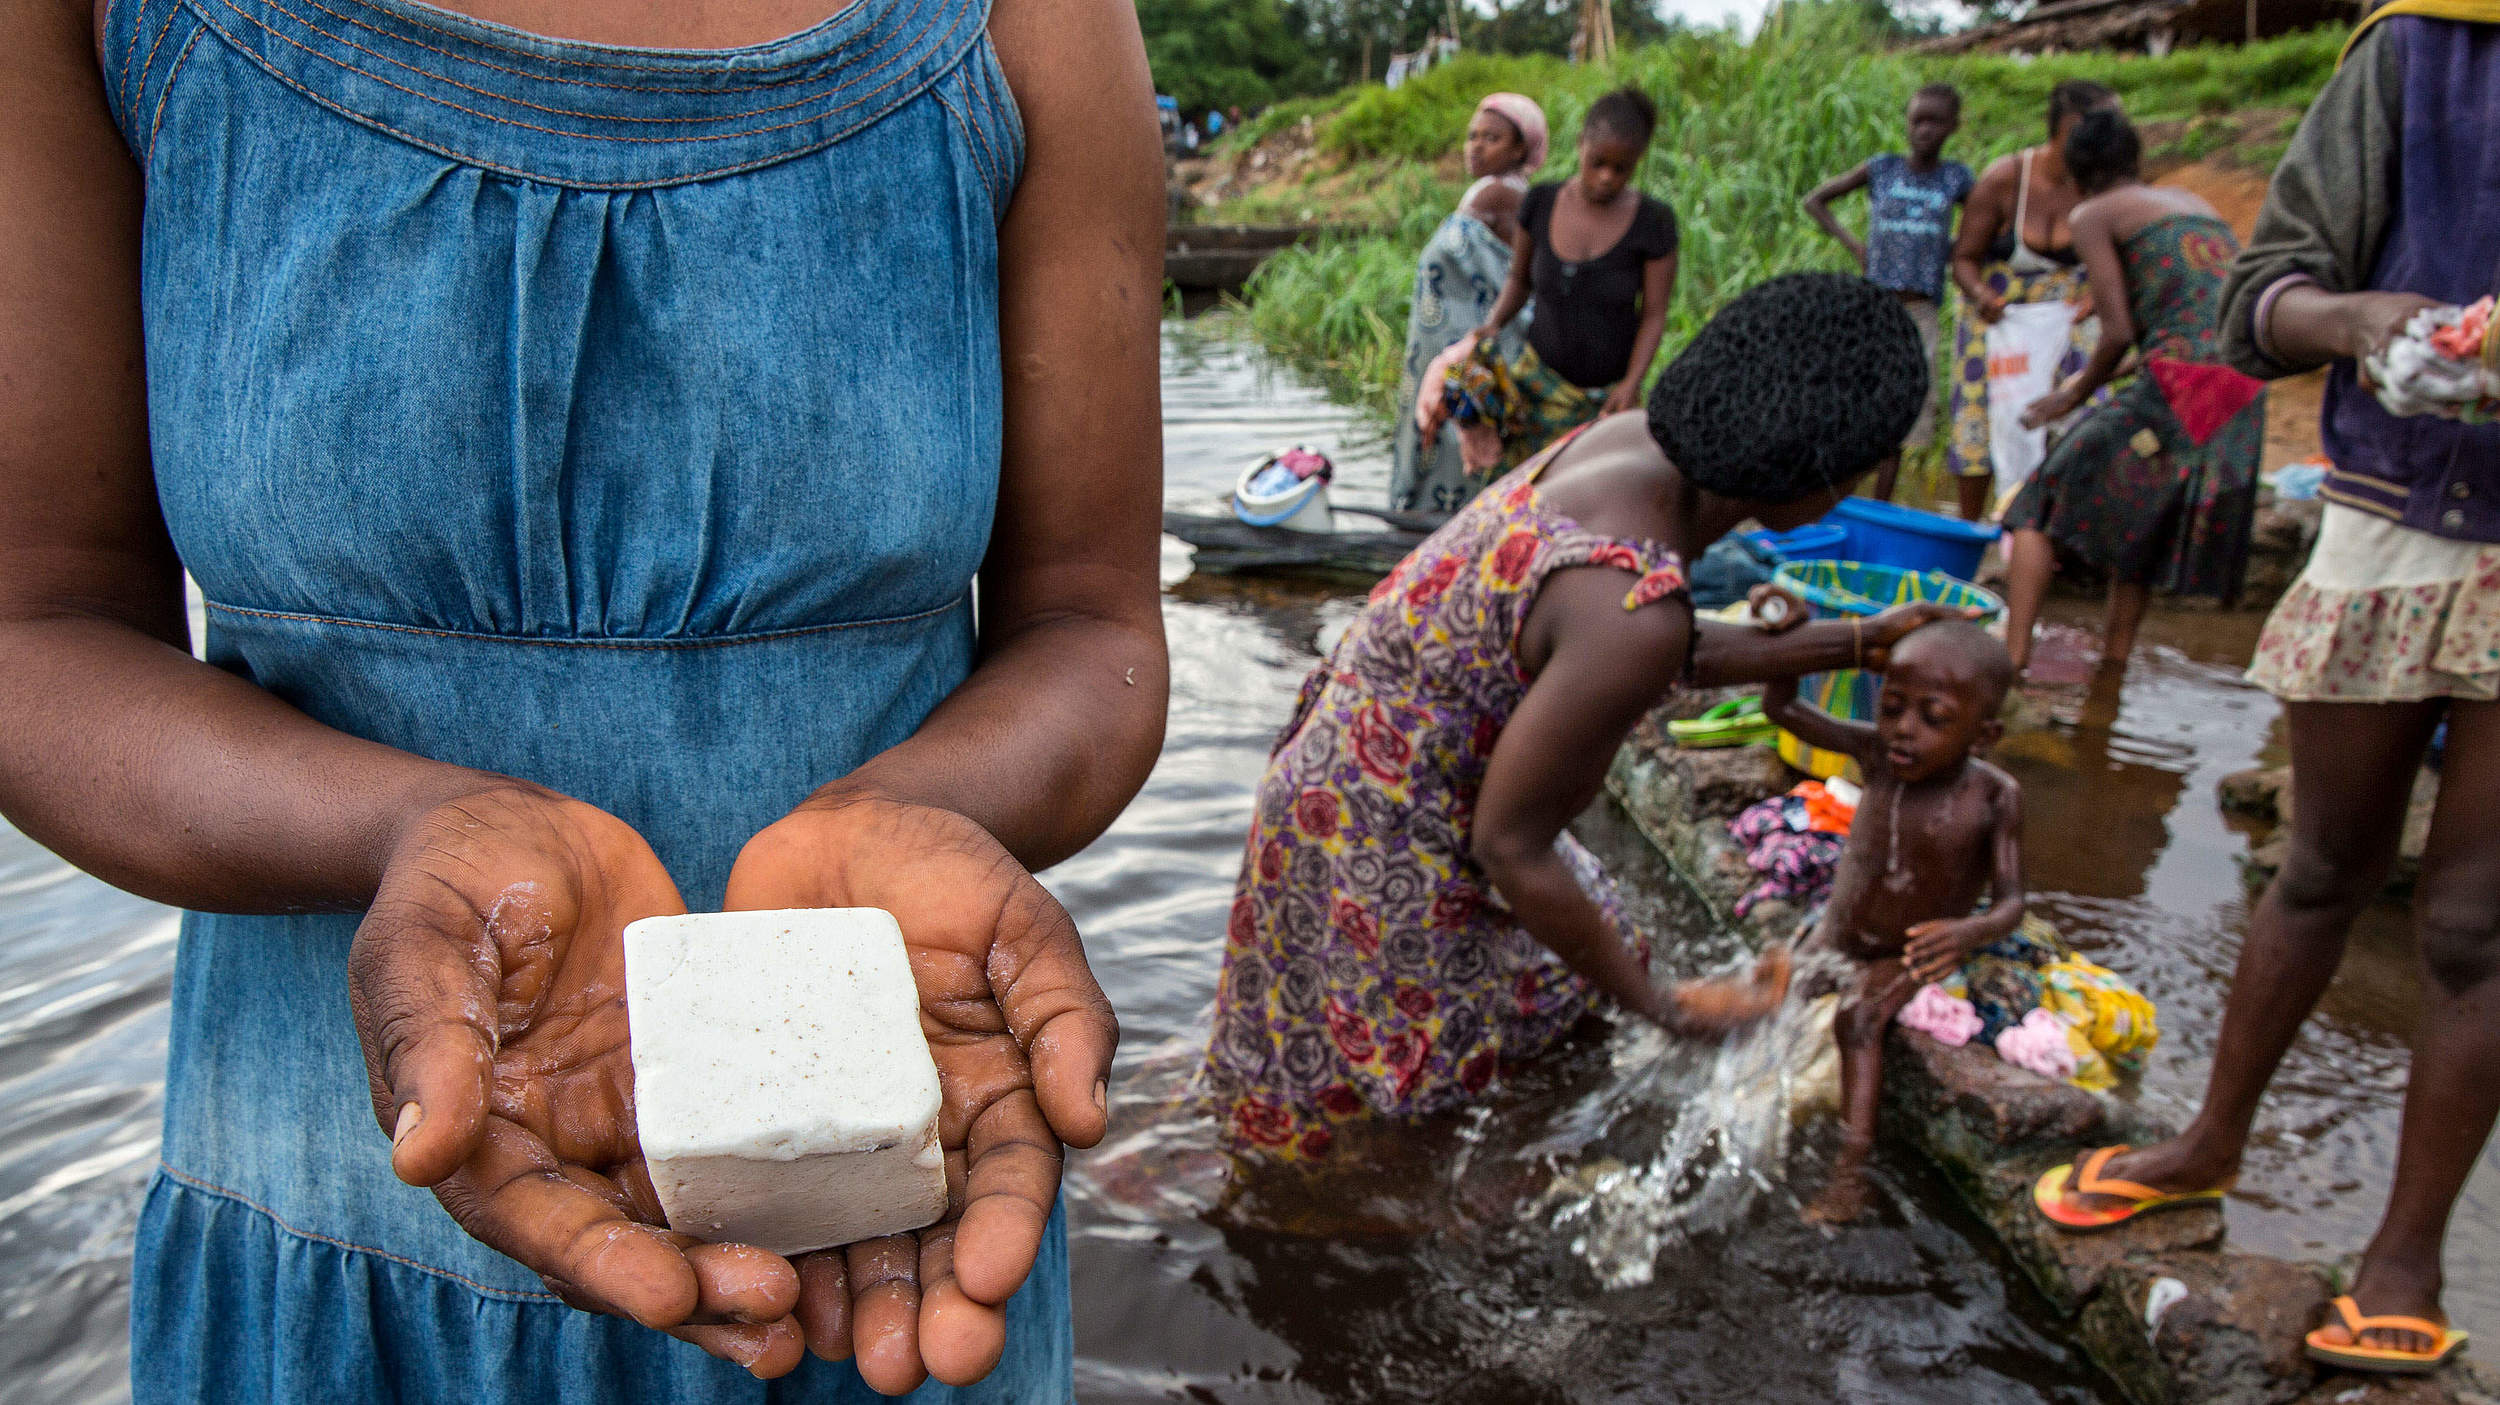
pixel 2102 149
pixel 1973 648
pixel 1626 112
pixel 1944 93
pixel 2075 97
pixel 1804 382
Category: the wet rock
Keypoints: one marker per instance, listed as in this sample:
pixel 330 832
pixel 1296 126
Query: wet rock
pixel 2222 1327
pixel 1995 1129
pixel 1975 1107
pixel 1681 802
pixel 2261 791
pixel 2450 1387
pixel 2286 529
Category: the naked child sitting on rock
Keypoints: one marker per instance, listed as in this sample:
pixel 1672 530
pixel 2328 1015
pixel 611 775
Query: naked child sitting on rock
pixel 1937 829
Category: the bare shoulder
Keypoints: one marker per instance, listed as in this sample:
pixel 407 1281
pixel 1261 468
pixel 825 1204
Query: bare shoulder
pixel 1056 52
pixel 2000 784
pixel 1494 200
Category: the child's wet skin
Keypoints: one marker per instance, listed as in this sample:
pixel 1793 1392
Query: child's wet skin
pixel 1936 829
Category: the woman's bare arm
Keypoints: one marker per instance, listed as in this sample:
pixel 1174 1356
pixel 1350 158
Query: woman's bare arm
pixel 1063 717
pixel 1608 667
pixel 1984 217
pixel 120 751
pixel 1657 294
pixel 1818 207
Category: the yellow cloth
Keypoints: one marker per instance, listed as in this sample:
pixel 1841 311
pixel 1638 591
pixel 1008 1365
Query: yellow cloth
pixel 2110 1018
pixel 2469 11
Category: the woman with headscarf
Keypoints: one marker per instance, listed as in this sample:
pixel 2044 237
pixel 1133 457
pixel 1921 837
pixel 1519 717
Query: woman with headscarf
pixel 1457 281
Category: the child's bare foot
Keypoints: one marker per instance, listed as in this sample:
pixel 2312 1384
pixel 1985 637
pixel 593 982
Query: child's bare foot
pixel 1716 1007
pixel 1842 1200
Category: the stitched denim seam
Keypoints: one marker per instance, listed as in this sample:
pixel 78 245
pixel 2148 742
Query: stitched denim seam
pixel 149 65
pixel 988 83
pixel 1011 113
pixel 980 157
pixel 379 124
pixel 823 58
pixel 415 22
pixel 121 73
pixel 482 163
pixel 718 641
pixel 904 44
pixel 903 40
pixel 157 124
pixel 237 1197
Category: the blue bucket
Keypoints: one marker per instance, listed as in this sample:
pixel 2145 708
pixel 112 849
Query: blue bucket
pixel 1815 541
pixel 1887 534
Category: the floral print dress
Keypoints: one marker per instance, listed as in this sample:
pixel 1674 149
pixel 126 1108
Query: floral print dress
pixel 1369 965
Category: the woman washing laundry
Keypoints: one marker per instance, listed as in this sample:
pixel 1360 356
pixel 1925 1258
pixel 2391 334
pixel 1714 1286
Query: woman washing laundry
pixel 2015 248
pixel 2157 489
pixel 1412 918
pixel 1593 260
pixel 1459 278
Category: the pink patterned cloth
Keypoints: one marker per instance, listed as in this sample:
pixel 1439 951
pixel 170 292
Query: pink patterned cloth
pixel 1946 1018
pixel 2040 1044
pixel 1369 964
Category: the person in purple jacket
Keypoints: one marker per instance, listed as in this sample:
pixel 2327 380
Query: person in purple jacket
pixel 2388 202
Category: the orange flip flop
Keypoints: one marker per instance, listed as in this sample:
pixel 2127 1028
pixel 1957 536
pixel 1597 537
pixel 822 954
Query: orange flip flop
pixel 2387 1361
pixel 2048 1195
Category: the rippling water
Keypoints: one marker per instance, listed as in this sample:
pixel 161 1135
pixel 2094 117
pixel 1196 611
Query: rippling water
pixel 1465 1261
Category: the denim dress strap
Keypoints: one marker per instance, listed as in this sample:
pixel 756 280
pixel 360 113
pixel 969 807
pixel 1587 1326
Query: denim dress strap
pixel 626 420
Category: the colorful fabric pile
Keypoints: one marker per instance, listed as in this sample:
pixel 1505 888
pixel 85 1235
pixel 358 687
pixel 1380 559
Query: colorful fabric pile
pixel 2446 363
pixel 1794 842
pixel 2040 1007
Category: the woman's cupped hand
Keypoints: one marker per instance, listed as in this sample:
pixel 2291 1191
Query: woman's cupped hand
pixel 487 983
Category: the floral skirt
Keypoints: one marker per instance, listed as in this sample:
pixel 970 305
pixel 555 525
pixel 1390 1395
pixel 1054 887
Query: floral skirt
pixel 1521 398
pixel 2385 613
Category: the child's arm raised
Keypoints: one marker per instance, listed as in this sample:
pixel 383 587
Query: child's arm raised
pixel 1818 203
pixel 1601 668
pixel 1815 727
pixel 1934 949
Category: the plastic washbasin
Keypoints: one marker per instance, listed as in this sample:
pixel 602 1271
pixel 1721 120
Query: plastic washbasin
pixel 1815 541
pixel 1888 534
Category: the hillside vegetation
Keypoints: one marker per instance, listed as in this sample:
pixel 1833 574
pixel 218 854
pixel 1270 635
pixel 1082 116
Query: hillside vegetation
pixel 1745 130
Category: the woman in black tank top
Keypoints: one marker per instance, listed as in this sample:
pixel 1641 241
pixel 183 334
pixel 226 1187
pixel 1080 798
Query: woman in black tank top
pixel 1594 261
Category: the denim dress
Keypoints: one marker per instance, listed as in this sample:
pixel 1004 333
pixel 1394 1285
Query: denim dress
pixel 622 419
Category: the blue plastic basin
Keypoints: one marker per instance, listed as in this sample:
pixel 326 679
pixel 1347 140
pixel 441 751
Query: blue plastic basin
pixel 1887 534
pixel 1815 541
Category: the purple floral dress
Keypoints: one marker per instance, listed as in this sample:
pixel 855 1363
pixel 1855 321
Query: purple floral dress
pixel 1369 966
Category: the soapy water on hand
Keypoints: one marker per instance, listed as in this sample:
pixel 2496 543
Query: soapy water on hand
pixel 1682 1139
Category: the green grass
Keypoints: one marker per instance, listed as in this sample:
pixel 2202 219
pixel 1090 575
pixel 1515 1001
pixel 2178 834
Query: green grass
pixel 1745 129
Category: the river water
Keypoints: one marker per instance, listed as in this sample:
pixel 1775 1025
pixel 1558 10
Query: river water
pixel 1619 1225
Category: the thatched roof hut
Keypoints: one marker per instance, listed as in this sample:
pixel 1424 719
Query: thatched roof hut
pixel 2142 26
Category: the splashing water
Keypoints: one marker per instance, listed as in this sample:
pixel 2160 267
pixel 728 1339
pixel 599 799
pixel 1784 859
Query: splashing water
pixel 1681 1138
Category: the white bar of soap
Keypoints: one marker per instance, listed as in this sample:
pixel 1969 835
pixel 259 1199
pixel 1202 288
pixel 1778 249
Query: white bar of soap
pixel 782 1086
